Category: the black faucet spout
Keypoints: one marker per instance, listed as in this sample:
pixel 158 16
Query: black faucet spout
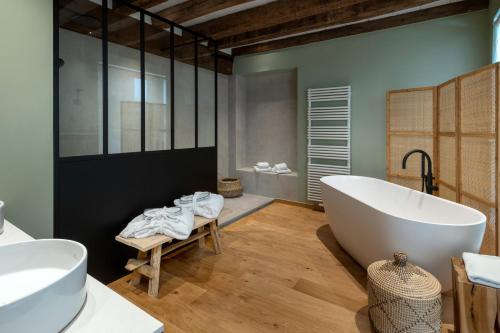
pixel 427 179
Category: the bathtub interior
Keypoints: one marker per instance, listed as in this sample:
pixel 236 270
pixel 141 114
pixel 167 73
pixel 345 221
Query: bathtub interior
pixel 404 202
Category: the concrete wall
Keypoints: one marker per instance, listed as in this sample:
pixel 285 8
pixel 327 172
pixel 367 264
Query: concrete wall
pixel 421 54
pixel 264 118
pixel 26 172
pixel 237 128
pixel 271 118
pixel 223 147
pixel 263 127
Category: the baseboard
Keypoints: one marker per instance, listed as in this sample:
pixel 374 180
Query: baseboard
pixel 312 206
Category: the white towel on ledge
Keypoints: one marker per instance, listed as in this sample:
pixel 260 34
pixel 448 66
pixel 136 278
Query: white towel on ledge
pixel 174 222
pixel 263 165
pixel 282 171
pixel 281 166
pixel 204 204
pixel 259 169
pixel 482 269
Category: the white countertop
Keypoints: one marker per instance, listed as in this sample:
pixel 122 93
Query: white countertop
pixel 104 310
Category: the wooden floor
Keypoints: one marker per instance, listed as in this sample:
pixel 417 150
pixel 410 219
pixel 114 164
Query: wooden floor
pixel 281 270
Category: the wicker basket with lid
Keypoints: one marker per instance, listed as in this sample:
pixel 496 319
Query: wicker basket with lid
pixel 403 298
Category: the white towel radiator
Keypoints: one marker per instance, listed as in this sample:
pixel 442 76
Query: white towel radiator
pixel 328 136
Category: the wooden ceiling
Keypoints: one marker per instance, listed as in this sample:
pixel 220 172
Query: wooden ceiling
pixel 252 26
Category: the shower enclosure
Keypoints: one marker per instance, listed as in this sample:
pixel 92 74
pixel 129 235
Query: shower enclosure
pixel 135 120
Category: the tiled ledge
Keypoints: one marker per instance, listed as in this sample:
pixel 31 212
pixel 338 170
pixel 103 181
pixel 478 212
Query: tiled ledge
pixel 279 186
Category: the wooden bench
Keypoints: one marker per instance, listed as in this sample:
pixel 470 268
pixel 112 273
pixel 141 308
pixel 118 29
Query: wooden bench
pixel 476 307
pixel 149 264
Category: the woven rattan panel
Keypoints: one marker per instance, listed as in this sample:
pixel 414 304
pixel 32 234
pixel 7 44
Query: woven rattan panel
pixel 478 147
pixel 400 145
pixel 447 107
pixel 410 125
pixel 446 193
pixel 447 160
pixel 411 110
pixel 488 246
pixel 478 167
pixel 477 102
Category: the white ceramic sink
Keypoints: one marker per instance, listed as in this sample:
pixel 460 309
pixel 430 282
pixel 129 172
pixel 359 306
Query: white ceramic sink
pixel 42 285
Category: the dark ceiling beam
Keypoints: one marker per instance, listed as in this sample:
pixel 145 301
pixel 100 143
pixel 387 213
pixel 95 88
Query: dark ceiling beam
pixel 161 47
pixel 268 15
pixel 192 9
pixel 145 4
pixel 71 8
pixel 346 15
pixel 354 29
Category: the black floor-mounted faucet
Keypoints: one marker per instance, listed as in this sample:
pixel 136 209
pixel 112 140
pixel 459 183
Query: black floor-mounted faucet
pixel 426 178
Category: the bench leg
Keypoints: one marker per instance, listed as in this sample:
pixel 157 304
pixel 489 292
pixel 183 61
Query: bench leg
pixel 154 281
pixel 215 237
pixel 201 241
pixel 136 276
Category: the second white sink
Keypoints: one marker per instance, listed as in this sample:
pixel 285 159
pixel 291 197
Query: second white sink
pixel 42 285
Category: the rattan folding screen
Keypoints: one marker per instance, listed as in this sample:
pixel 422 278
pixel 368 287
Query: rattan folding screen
pixel 477 140
pixel 460 128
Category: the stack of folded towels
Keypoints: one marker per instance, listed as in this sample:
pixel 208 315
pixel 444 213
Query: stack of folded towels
pixel 281 168
pixel 263 167
pixel 482 269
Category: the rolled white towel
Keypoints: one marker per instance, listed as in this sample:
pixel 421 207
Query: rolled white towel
pixel 263 164
pixel 281 166
pixel 258 169
pixel 482 269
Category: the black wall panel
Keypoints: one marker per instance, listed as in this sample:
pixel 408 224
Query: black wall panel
pixel 96 198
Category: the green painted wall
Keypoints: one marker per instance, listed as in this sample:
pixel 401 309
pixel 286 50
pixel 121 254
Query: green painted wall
pixel 26 181
pixel 494 7
pixel 421 54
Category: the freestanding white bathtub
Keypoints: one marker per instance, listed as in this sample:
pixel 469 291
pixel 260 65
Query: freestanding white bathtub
pixel 372 218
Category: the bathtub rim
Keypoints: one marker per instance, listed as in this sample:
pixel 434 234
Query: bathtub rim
pixel 481 221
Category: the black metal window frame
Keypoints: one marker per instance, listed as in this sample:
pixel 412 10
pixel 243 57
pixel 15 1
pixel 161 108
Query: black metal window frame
pixel 198 38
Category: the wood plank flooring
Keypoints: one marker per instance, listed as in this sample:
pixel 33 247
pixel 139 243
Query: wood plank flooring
pixel 281 270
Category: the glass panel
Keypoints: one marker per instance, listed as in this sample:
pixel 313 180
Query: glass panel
pixel 206 95
pixel 184 78
pixel 157 47
pixel 124 81
pixel 80 78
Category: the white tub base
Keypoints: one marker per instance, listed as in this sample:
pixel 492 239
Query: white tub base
pixel 372 219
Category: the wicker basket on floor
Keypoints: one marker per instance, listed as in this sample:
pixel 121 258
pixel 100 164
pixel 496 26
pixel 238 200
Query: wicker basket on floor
pixel 230 187
pixel 403 298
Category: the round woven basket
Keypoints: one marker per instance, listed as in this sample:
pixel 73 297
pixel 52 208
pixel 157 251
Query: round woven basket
pixel 230 187
pixel 403 297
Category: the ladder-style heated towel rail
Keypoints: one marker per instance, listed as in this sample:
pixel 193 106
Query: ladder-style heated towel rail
pixel 328 136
